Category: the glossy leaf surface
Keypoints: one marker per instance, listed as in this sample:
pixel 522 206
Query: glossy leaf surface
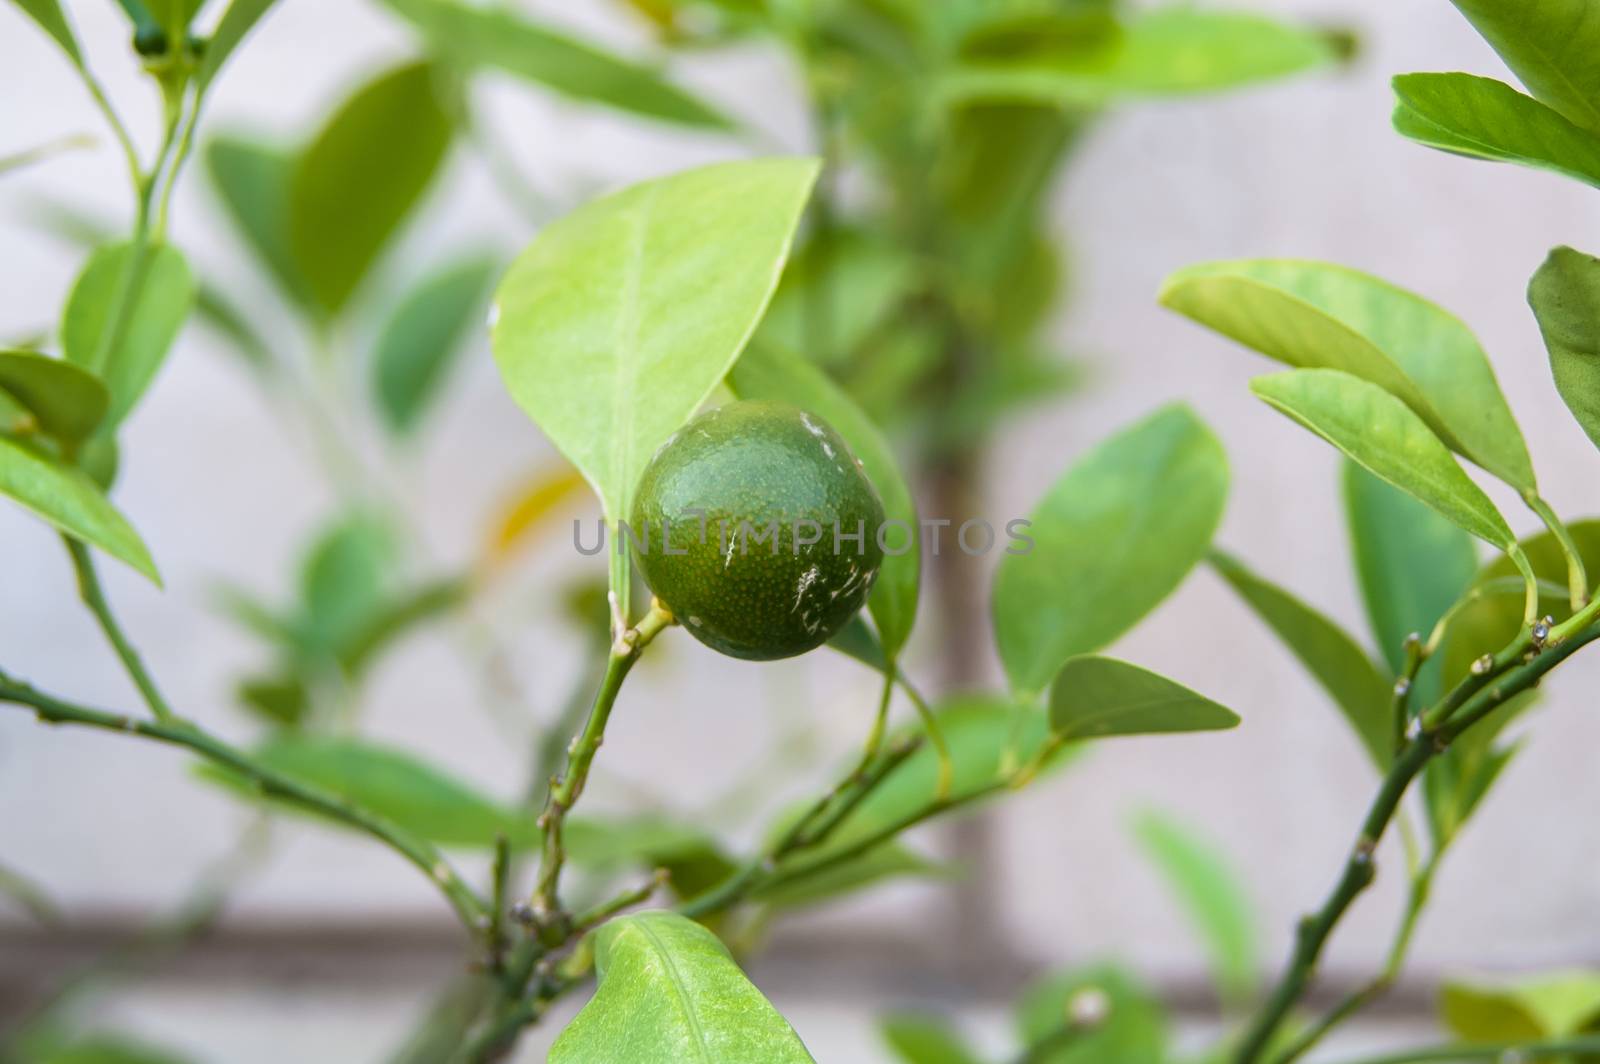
pixel 66 498
pixel 1565 296
pixel 1550 45
pixel 1096 697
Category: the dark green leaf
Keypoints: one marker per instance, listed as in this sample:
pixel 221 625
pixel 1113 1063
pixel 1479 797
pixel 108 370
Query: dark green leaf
pixel 361 176
pixel 1550 45
pixel 423 335
pixel 1211 896
pixel 1319 316
pixel 670 993
pixel 763 372
pixel 1095 697
pixel 69 500
pixel 1565 296
pixel 1488 119
pixel 1134 1028
pixel 281 700
pixel 1337 662
pixel 51 19
pixel 240 18
pixel 68 402
pixel 253 181
pixel 156 290
pixel 1388 439
pixel 1112 538
pixel 919 1039
pixel 508 41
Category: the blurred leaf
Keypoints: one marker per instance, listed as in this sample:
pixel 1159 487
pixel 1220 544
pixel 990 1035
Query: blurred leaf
pixel 253 180
pixel 216 310
pixel 69 500
pixel 360 177
pixel 68 402
pixel 240 18
pixel 544 494
pixel 763 372
pixel 1172 51
pixel 1320 316
pixel 112 1049
pixel 397 616
pixel 1554 1005
pixel 606 329
pixel 918 1039
pixel 505 40
pixel 1332 657
pixel 1211 896
pixel 669 991
pixel 159 294
pixel 1413 565
pixel 423 334
pixel 1113 537
pixel 1094 697
pixel 343 583
pixel 837 290
pixel 1388 439
pixel 280 700
pixel 45 152
pixel 889 861
pixel 28 895
pixel 51 19
pixel 1550 45
pixel 1565 296
pixel 1487 119
pixel 1134 1030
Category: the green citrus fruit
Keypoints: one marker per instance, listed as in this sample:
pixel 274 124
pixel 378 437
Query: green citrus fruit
pixel 756 527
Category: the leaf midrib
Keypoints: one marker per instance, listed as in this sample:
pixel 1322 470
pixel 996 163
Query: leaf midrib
pixel 679 987
pixel 625 350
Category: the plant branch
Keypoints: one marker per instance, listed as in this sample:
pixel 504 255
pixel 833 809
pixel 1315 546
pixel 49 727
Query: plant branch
pixel 471 909
pixel 94 597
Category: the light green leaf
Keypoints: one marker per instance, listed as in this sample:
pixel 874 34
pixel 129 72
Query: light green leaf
pixel 159 292
pixel 1095 697
pixel 763 372
pixel 1385 437
pixel 1134 1028
pixel 240 18
pixel 1550 45
pixel 360 177
pixel 423 335
pixel 506 40
pixel 51 19
pixel 69 500
pixel 1412 563
pixel 919 1039
pixel 1112 538
pixel 112 1049
pixel 67 401
pixel 1320 316
pixel 1553 1005
pixel 1565 296
pixel 1212 897
pixel 1336 661
pixel 837 291
pixel 670 993
pixel 253 180
pixel 620 319
pixel 344 581
pixel 1488 119
pixel 1172 51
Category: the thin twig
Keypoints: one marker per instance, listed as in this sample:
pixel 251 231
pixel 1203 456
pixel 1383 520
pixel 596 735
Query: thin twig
pixel 94 597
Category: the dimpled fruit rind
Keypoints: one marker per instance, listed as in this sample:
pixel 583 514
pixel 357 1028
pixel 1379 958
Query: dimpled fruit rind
pixel 739 588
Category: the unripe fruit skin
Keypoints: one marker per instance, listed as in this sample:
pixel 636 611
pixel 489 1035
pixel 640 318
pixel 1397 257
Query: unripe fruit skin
pixel 754 462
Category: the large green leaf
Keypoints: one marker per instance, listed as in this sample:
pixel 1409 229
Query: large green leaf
pixel 67 401
pixel 670 993
pixel 1553 1005
pixel 69 500
pixel 620 319
pixel 423 335
pixel 1212 897
pixel 1111 539
pixel 1550 45
pixel 51 19
pixel 1173 51
pixel 1565 296
pixel 1320 316
pixel 362 174
pixel 1133 1028
pixel 1388 439
pixel 112 1049
pixel 156 291
pixel 763 372
pixel 1488 119
pixel 1412 563
pixel 253 180
pixel 1095 697
pixel 240 18
pixel 506 40
pixel 1331 656
pixel 918 1039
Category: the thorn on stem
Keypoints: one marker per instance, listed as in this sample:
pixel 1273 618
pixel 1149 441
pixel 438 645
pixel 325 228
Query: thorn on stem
pixel 1482 665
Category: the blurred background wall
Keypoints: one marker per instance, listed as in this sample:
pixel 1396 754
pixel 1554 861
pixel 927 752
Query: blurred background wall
pixel 1307 168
